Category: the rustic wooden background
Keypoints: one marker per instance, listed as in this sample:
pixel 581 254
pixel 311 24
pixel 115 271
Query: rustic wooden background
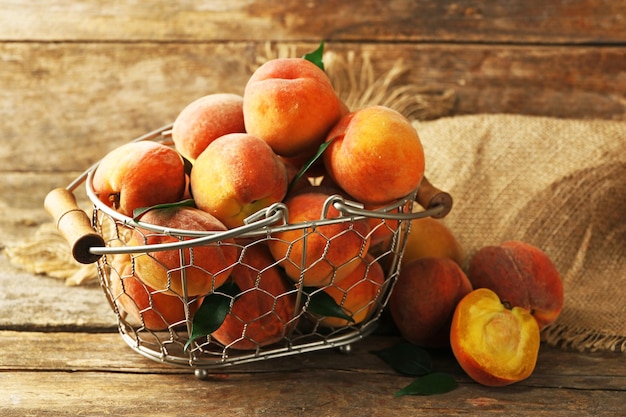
pixel 78 78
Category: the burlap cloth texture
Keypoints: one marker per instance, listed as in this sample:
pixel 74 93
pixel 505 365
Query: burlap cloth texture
pixel 557 184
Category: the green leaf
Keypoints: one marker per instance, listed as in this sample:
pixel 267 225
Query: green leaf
pixel 324 305
pixel 431 384
pixel 187 165
pixel 407 358
pixel 137 213
pixel 214 309
pixel 316 56
pixel 310 163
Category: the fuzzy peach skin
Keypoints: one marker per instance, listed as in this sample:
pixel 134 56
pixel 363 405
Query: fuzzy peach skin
pixel 375 155
pixel 331 252
pixel 139 174
pixel 383 230
pixel 206 267
pixel 424 298
pixel 522 275
pixel 206 119
pixel 147 307
pixel 265 311
pixel 291 104
pixel 430 237
pixel 237 175
pixel 357 293
pixel 494 345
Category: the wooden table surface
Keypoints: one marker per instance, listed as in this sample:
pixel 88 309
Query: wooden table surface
pixel 78 78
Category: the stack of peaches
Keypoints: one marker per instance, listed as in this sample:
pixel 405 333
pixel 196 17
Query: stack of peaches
pixel 290 139
pixel 233 156
pixel 489 311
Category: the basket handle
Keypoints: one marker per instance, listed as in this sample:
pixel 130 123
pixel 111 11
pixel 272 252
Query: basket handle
pixel 436 204
pixel 73 224
pixel 429 196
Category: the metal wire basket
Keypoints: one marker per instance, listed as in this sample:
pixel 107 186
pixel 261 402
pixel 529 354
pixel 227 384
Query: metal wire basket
pixel 294 315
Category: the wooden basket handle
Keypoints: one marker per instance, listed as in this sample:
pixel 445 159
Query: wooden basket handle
pixel 429 196
pixel 73 224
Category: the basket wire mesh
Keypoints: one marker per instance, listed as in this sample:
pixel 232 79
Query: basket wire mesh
pixel 303 329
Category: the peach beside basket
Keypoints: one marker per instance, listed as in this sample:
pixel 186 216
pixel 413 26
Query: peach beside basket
pixel 100 237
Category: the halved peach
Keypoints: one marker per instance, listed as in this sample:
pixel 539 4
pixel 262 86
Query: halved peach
pixel 495 344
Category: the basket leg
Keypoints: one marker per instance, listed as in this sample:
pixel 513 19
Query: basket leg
pixel 201 374
pixel 345 349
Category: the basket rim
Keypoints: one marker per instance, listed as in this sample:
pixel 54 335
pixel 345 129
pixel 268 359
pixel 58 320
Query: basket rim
pixel 272 219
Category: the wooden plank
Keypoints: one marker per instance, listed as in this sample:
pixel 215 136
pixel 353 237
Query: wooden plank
pixel 21 202
pixel 533 21
pixel 82 351
pixel 97 373
pixel 36 302
pixel 28 300
pixel 310 393
pixel 77 101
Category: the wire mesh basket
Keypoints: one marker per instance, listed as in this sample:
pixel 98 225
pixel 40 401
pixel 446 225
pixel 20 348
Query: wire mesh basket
pixel 256 312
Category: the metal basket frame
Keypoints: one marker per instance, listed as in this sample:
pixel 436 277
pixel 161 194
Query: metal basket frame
pixel 167 346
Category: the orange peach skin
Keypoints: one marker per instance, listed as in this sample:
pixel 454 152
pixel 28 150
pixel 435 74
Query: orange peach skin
pixel 430 237
pixel 237 175
pixel 332 251
pixel 357 293
pixel 139 174
pixel 265 311
pixel 382 229
pixel 494 345
pixel 424 298
pixel 291 104
pixel 206 119
pixel 206 267
pixel 375 155
pixel 522 275
pixel 154 310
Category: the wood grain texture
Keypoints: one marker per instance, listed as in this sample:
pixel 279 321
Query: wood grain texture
pixel 77 101
pixel 98 374
pixel 106 351
pixel 79 78
pixel 326 393
pixel 516 22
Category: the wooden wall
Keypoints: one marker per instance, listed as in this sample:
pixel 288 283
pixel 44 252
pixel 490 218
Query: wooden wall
pixel 78 78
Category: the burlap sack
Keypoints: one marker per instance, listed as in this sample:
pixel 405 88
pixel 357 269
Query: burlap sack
pixel 557 184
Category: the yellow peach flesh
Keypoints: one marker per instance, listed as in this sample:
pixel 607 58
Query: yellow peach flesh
pixel 494 345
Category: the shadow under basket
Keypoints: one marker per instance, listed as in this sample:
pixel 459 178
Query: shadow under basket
pixel 172 326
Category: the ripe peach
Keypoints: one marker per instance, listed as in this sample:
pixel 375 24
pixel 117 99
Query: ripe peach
pixel 152 309
pixel 206 119
pixel 357 293
pixel 291 104
pixel 375 155
pixel 237 175
pixel 429 237
pixel 206 267
pixel 522 275
pixel 320 255
pixel 424 298
pixel 139 174
pixel 265 311
pixel 495 345
pixel 382 229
